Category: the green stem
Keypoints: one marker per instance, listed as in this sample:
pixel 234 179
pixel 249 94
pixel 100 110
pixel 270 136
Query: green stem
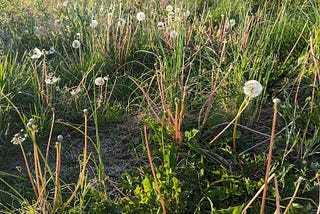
pixel 243 105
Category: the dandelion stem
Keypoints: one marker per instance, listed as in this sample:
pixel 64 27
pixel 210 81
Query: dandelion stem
pixel 57 180
pixel 275 106
pixel 28 170
pixel 234 119
pixel 300 179
pixel 256 195
pixel 234 136
pixel 153 171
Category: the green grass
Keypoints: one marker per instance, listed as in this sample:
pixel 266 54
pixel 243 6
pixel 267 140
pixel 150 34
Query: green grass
pixel 184 81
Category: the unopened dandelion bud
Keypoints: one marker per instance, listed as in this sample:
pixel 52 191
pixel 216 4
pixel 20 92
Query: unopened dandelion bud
pixel 300 179
pixel 60 138
pixel 57 144
pixel 276 101
pixel 29 125
pixel 85 111
pixel 31 121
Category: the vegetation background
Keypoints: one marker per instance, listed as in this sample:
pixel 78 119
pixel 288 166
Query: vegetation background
pixel 126 106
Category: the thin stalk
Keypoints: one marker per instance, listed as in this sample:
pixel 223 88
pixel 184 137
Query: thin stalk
pixel 232 121
pixel 234 136
pixel 316 73
pixel 28 170
pixel 274 121
pixel 318 211
pixel 278 207
pixel 50 134
pixel 57 180
pixel 85 159
pixel 257 194
pixel 300 179
pixel 153 171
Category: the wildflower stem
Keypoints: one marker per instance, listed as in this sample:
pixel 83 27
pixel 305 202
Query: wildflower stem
pixel 256 195
pixel 50 135
pixel 232 121
pixel 153 171
pixel 85 159
pixel 318 179
pixel 300 179
pixel 28 169
pixel 275 106
pixel 234 136
pixel 57 180
pixel 278 209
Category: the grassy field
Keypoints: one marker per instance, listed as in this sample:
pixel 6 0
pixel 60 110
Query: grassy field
pixel 125 106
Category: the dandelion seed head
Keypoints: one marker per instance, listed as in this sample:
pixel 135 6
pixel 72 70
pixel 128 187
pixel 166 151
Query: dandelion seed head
pixel 252 88
pixel 94 23
pixel 19 137
pixel 36 54
pixel 160 25
pixel 232 22
pixel 75 91
pixel 300 179
pixel 187 13
pixel 170 14
pixel 31 120
pixel 99 81
pixel 169 8
pixel 76 44
pixel 51 79
pixel 52 50
pixel 173 34
pixel 141 16
pixel 106 78
pixel 121 22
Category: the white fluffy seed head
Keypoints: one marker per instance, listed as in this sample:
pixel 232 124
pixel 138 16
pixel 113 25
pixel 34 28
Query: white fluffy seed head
pixel 99 81
pixel 76 44
pixel 252 89
pixel 94 23
pixel 169 8
pixel 141 16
